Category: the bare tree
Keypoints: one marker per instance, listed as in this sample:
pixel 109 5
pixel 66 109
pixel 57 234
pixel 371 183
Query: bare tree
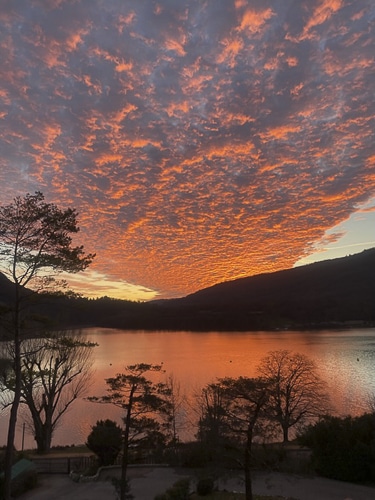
pixel 142 400
pixel 297 393
pixel 35 244
pixel 56 370
pixel 177 408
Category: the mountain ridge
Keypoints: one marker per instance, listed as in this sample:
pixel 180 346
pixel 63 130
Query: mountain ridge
pixel 327 294
pixel 263 282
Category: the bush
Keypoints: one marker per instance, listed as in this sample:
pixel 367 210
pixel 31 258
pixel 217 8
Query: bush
pixel 195 455
pixel 105 441
pixel 179 491
pixel 269 456
pixel 343 448
pixel 205 486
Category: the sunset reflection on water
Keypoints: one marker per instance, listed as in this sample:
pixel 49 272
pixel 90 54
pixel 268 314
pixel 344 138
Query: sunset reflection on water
pixel 345 360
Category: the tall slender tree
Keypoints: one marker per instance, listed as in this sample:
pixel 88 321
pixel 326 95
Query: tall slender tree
pixel 212 406
pixel 177 402
pixel 246 400
pixel 35 245
pixel 142 400
pixel 232 408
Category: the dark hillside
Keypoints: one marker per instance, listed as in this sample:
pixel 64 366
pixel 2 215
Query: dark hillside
pixel 328 292
pixel 343 277
pixel 333 293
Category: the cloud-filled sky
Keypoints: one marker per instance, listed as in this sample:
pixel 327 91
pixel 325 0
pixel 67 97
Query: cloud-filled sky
pixel 199 140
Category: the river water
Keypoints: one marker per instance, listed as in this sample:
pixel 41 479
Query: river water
pixel 345 360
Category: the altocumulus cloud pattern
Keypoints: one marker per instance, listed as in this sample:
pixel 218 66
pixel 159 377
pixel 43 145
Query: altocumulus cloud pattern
pixel 199 140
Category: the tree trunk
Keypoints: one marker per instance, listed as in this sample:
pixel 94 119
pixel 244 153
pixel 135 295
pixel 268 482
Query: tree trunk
pixel 285 434
pixel 13 419
pixel 124 464
pixel 248 480
pixel 125 450
pixel 43 438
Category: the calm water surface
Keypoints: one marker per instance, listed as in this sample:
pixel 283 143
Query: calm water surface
pixel 345 360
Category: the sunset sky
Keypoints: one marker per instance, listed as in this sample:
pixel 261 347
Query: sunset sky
pixel 200 141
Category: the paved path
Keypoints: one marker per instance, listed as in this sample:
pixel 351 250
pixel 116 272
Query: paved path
pixel 303 488
pixel 152 481
pixel 145 484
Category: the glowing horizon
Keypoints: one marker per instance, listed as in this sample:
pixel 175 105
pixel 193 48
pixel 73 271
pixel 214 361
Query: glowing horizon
pixel 199 142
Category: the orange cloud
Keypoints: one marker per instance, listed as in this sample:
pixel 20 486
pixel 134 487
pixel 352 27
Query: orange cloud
pixel 281 133
pixel 231 48
pixel 175 46
pixel 322 13
pixel 199 143
pixel 253 20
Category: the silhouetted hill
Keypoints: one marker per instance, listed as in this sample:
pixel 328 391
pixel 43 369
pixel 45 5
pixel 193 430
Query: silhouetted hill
pixel 342 277
pixel 325 294
pixel 328 292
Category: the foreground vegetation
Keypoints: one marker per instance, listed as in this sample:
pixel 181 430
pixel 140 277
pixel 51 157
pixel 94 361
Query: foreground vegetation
pixel 343 448
pixel 36 245
pixel 350 435
pixel 227 495
pixel 205 488
pixel 236 418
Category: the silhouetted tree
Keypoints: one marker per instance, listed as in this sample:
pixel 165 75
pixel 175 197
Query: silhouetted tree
pixel 142 400
pixel 296 392
pixel 35 244
pixel 212 406
pixel 55 371
pixel 232 408
pixel 105 440
pixel 176 404
pixel 245 401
